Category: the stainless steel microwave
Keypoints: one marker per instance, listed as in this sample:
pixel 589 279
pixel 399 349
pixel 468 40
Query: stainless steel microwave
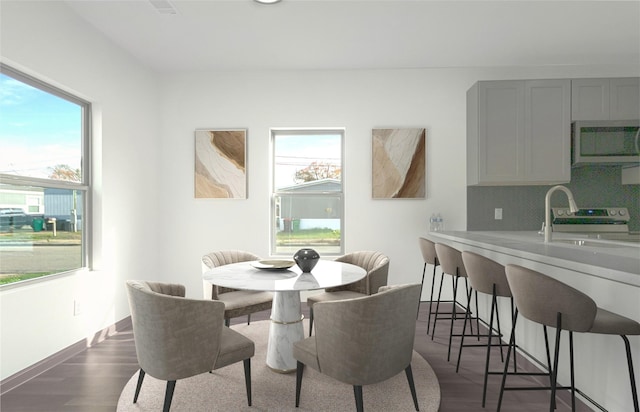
pixel 605 142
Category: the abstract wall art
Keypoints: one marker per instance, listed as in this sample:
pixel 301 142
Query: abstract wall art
pixel 398 169
pixel 220 164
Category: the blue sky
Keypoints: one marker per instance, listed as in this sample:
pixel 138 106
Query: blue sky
pixel 37 130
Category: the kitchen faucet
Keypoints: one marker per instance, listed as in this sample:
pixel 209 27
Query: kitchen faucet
pixel 547 209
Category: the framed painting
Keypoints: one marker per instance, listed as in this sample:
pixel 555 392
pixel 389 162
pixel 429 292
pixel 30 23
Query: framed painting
pixel 398 170
pixel 220 163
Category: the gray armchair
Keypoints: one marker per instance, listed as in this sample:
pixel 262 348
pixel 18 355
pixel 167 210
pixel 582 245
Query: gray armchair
pixel 362 341
pixel 237 302
pixel 177 337
pixel 377 266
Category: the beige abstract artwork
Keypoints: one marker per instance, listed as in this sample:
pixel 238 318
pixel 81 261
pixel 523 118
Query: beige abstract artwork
pixel 398 169
pixel 220 170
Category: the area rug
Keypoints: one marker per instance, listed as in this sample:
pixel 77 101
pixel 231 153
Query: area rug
pixel 224 390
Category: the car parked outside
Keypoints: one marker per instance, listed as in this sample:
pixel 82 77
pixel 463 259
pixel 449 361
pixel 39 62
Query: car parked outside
pixel 12 217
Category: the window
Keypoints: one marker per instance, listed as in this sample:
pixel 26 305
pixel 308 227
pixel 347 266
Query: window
pixel 308 200
pixel 44 178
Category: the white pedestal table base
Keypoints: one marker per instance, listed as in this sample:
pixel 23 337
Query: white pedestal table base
pixel 285 329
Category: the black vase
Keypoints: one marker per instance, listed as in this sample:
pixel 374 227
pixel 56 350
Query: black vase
pixel 306 259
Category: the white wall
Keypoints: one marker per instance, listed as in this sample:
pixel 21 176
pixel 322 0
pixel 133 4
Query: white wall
pixel 358 100
pixel 46 39
pixel 148 224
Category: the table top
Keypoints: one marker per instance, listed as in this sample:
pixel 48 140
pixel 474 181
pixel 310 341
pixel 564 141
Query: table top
pixel 244 275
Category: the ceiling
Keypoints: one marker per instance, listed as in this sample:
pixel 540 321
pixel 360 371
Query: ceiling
pixel 369 34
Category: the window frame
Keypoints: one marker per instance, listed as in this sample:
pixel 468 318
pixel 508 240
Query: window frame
pixel 275 193
pixel 85 186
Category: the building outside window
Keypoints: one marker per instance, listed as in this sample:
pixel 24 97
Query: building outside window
pixel 308 199
pixel 44 178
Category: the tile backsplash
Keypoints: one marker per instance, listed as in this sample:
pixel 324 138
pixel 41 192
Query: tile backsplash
pixel 523 206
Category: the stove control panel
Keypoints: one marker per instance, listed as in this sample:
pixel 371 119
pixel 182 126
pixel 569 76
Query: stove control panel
pixel 604 214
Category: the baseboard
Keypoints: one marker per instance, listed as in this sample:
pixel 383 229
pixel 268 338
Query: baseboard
pixel 57 358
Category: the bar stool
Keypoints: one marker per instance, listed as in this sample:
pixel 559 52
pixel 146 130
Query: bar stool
pixel 488 277
pixel 451 264
pixel 428 250
pixel 550 302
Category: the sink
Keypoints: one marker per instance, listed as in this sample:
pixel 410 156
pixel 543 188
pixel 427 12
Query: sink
pixel 591 243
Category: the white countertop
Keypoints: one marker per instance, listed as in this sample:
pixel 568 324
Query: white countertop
pixel 618 261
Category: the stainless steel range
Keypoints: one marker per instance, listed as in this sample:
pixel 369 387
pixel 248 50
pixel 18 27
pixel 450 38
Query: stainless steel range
pixel 604 223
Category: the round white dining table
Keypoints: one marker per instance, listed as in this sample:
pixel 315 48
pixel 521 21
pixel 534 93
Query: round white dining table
pixel 286 313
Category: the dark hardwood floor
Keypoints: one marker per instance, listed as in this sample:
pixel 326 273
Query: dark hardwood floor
pixel 92 380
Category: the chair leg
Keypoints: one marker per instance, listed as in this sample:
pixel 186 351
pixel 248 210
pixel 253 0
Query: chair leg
pixel 227 322
pixel 549 364
pixel 310 320
pixel 464 332
pixel 357 391
pixel 506 364
pixel 554 371
pixel 499 329
pixel 249 319
pixel 299 372
pixel 433 284
pixel 247 378
pixel 478 317
pixel 494 309
pixel 412 386
pixel 468 296
pixel 632 378
pixel 435 319
pixel 469 300
pixel 515 344
pixel 424 270
pixel 168 395
pixel 139 385
pixel 453 316
pixel 573 379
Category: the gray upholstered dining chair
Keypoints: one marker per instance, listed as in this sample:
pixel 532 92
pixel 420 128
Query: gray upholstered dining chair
pixel 237 302
pixel 377 266
pixel 362 341
pixel 549 302
pixel 177 338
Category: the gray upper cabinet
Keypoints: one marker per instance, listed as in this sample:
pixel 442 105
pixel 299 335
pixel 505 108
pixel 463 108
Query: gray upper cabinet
pixel 519 132
pixel 605 99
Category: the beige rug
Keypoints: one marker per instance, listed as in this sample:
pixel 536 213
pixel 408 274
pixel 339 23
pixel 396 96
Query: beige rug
pixel 224 390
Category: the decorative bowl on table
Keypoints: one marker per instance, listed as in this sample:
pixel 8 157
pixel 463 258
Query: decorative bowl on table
pixel 273 264
pixel 306 259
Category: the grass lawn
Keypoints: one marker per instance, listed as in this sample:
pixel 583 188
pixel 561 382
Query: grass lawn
pixel 44 237
pixel 308 237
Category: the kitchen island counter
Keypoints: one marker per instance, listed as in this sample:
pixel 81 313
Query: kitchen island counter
pixel 608 272
pixel 616 261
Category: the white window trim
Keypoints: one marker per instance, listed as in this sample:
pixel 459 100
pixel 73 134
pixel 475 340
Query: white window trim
pixel 84 186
